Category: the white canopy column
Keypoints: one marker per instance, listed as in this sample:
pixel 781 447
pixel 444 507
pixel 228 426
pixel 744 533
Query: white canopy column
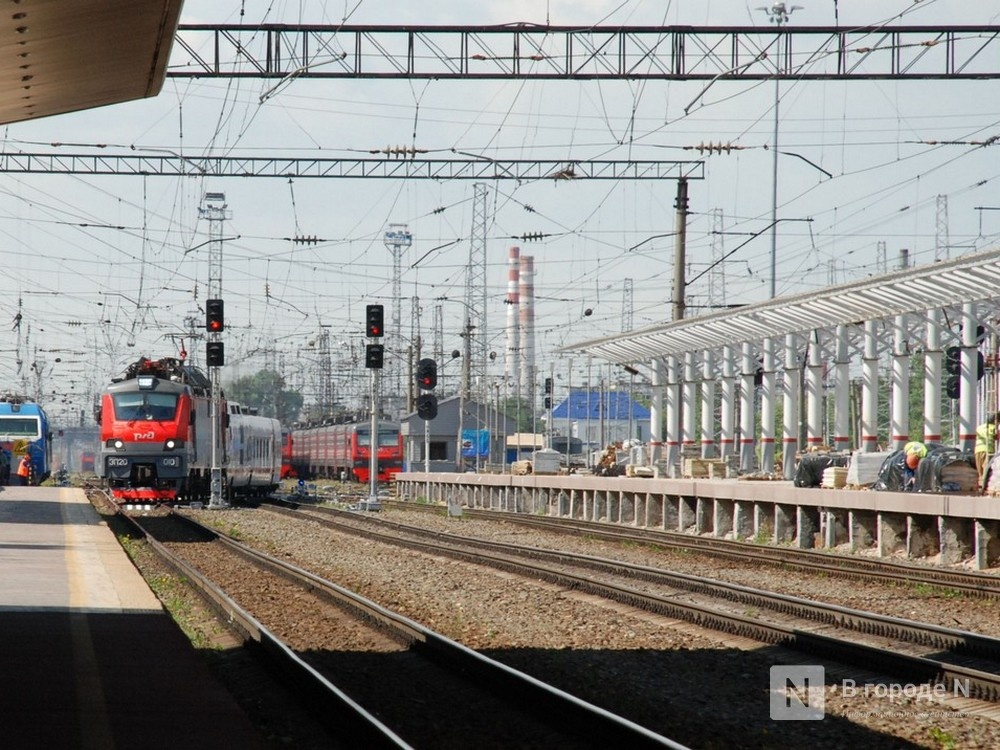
pixel 656 413
pixel 747 411
pixel 814 392
pixel 933 359
pixel 689 405
pixel 708 448
pixel 842 393
pixel 899 427
pixel 790 417
pixel 968 378
pixel 673 416
pixel 768 408
pixel 727 419
pixel 869 390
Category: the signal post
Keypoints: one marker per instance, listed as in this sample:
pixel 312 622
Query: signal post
pixel 374 359
pixel 215 358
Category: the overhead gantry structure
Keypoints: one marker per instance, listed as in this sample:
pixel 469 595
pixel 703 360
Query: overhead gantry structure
pixel 587 53
pixel 950 307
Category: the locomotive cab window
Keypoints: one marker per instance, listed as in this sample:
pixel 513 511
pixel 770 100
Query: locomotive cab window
pixel 11 427
pixel 145 406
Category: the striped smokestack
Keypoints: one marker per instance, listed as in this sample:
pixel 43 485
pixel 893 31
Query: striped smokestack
pixel 526 287
pixel 512 361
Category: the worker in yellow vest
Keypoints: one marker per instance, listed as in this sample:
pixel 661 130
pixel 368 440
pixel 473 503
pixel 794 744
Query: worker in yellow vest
pixel 986 436
pixel 913 453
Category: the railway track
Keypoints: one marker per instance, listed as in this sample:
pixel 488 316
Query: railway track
pixel 815 561
pixel 390 680
pixel 966 663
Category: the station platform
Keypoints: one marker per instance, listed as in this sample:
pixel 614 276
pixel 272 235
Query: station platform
pixel 88 656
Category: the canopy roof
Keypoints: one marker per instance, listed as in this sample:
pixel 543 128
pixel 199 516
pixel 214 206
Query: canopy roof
pixel 945 285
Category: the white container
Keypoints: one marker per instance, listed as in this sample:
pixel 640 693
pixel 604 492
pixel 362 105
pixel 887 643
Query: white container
pixel 545 461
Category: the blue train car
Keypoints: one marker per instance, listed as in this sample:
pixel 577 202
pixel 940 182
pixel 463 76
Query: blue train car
pixel 24 428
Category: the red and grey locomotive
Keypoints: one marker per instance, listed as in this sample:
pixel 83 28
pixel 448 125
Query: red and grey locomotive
pixel 156 437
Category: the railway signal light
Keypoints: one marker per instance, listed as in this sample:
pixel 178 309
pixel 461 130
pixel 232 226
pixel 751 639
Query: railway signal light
pixel 427 406
pixel 215 353
pixel 548 385
pixel 214 316
pixel 427 376
pixel 374 356
pixel 374 316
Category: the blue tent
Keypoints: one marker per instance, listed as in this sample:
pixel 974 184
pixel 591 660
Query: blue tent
pixel 594 404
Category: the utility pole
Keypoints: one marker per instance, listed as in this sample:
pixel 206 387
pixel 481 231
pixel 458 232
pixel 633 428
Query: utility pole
pixel 778 14
pixel 397 239
pixel 475 290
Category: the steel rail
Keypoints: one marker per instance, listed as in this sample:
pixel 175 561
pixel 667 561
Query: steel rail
pixel 971 583
pixel 981 684
pixel 340 709
pixel 540 696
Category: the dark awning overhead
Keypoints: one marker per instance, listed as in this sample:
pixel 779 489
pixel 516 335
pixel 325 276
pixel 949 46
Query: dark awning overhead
pixel 61 56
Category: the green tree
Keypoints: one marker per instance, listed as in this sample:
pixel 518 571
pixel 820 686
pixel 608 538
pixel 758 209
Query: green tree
pixel 265 391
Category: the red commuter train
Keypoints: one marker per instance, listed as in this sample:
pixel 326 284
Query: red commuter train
pixel 287 470
pixel 156 438
pixel 342 451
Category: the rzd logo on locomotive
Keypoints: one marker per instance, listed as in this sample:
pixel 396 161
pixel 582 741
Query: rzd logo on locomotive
pixel 144 435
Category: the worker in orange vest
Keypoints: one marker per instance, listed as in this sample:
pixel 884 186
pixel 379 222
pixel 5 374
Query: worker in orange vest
pixel 24 471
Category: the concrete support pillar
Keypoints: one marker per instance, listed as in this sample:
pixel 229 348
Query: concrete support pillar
pixel 723 512
pixel 863 529
pixel 891 533
pixel 956 536
pixel 687 513
pixel 743 520
pixel 835 524
pixel 671 514
pixel 987 542
pixel 807 526
pixel 703 516
pixel 785 523
pixel 763 524
pixel 921 536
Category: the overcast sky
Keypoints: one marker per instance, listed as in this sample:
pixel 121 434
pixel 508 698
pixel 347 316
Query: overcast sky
pixel 102 270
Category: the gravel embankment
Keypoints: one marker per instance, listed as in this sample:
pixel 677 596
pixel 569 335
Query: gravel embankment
pixel 672 677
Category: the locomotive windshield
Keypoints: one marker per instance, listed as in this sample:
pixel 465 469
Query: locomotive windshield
pixel 19 427
pixel 386 438
pixel 145 405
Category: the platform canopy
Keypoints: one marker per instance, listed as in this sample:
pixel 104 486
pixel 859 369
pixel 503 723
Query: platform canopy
pixel 945 285
pixel 61 56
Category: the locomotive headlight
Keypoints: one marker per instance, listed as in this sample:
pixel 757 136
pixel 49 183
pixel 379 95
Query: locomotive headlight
pixel 170 445
pixel 118 445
